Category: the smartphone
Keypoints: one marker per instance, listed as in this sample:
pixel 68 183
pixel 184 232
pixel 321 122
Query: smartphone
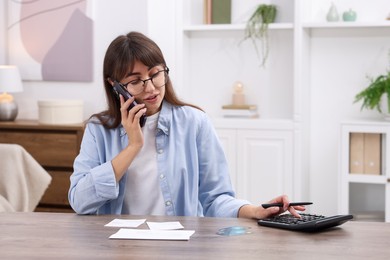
pixel 120 89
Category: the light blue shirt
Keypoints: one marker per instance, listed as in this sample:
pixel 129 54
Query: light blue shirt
pixel 192 168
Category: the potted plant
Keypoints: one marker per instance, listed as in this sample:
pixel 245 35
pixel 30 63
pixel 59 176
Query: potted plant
pixel 377 95
pixel 257 29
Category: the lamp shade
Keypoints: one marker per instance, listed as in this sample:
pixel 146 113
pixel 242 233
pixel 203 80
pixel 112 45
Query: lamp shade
pixel 10 80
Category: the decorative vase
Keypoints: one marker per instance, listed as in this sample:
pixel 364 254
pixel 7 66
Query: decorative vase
pixel 349 16
pixel 333 15
pixel 385 106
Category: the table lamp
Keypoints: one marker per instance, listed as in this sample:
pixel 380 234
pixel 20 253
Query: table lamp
pixel 10 81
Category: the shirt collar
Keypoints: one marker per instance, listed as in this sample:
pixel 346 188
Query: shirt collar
pixel 164 119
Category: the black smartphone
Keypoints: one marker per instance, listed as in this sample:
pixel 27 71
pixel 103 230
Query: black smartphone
pixel 120 89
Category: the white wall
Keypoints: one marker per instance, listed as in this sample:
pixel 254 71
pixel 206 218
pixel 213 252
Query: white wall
pixel 2 32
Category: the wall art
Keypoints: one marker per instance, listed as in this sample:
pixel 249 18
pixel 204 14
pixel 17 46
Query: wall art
pixel 51 40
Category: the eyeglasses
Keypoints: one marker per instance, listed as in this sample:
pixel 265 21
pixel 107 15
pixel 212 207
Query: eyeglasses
pixel 158 79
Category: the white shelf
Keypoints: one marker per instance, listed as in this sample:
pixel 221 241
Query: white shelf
pixel 341 25
pixel 232 27
pixel 367 122
pixel 283 26
pixel 260 124
pixel 364 178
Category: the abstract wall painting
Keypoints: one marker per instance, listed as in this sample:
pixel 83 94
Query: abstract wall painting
pixel 51 40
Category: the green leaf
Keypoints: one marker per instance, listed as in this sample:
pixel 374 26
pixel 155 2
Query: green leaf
pixel 371 96
pixel 257 29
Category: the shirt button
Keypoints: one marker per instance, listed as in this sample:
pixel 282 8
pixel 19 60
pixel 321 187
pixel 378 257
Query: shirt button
pixel 162 176
pixel 168 203
pixel 160 151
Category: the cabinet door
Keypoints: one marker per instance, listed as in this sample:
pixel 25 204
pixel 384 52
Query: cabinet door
pixel 229 144
pixel 264 164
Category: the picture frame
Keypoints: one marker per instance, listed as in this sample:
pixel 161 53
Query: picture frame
pixel 51 40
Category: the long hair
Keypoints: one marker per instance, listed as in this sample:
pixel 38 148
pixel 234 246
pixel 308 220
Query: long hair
pixel 119 59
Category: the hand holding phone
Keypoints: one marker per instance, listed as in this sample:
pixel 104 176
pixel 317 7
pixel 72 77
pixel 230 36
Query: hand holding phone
pixel 120 89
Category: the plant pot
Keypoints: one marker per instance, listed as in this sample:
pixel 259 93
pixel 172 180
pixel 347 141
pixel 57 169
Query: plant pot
pixel 385 106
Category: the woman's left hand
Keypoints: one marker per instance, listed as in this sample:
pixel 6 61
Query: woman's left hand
pixel 258 212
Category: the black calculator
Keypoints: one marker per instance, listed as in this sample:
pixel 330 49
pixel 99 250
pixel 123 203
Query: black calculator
pixel 307 222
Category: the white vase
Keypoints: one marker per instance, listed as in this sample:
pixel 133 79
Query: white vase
pixel 385 107
pixel 333 14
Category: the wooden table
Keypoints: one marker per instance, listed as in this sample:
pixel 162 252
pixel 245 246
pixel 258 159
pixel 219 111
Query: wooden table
pixel 70 236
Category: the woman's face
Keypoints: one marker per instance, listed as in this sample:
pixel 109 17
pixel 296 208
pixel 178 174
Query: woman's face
pixel 150 92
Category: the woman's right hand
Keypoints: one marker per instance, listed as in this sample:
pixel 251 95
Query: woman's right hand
pixel 130 121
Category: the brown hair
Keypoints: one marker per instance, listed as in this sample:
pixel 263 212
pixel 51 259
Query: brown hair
pixel 120 57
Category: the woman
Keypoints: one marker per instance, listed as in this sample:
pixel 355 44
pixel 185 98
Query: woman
pixel 173 165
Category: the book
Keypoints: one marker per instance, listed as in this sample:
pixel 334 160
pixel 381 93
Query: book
pixel 365 153
pixel 241 111
pixel 372 154
pixel 245 107
pixel 207 8
pixel 356 152
pixel 221 11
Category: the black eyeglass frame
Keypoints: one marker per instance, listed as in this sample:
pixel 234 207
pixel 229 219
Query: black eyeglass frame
pixel 166 70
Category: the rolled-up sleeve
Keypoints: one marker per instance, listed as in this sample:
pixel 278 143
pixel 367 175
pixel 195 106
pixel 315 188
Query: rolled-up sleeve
pixel 93 181
pixel 215 190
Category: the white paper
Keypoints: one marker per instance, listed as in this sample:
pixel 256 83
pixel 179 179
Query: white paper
pixel 147 234
pixel 129 223
pixel 164 225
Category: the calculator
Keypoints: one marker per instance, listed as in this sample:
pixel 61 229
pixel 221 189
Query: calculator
pixel 307 222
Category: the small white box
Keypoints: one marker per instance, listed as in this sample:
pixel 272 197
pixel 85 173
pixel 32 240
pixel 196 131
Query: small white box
pixel 57 112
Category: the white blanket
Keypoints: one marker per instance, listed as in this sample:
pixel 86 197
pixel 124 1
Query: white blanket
pixel 23 181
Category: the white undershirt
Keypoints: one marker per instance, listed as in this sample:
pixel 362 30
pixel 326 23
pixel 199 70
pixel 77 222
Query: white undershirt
pixel 143 194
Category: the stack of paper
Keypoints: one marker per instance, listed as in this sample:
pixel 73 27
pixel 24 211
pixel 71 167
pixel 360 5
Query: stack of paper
pixel 156 231
pixel 127 233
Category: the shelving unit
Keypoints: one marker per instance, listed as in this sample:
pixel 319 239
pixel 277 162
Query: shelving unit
pixel 222 45
pixel 292 88
pixel 365 196
pixel 210 60
pixel 358 25
pixel 231 27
